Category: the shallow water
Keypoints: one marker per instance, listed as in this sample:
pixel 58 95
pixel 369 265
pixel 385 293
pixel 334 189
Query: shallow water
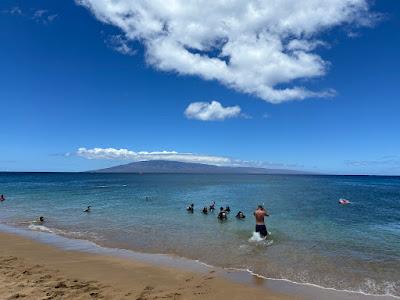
pixel 314 239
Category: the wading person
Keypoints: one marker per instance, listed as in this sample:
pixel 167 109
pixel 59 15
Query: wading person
pixel 260 214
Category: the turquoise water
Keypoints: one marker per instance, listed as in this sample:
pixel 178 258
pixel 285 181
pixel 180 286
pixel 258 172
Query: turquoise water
pixel 314 239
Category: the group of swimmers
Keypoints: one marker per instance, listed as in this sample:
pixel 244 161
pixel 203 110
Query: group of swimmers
pixel 223 212
pixel 260 213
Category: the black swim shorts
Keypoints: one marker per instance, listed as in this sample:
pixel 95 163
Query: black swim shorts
pixel 262 230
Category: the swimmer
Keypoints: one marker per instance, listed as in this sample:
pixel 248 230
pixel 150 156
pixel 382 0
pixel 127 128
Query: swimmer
pixel 212 206
pixel 259 215
pixel 190 208
pixel 2 198
pixel 205 210
pixel 227 209
pixel 222 214
pixel 39 221
pixel 240 215
pixel 87 210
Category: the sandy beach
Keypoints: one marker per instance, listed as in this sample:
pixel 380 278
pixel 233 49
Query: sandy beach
pixel 32 270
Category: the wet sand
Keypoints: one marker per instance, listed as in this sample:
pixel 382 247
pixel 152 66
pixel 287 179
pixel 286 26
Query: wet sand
pixel 32 270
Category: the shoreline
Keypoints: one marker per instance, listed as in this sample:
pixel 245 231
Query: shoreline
pixel 275 288
pixel 33 270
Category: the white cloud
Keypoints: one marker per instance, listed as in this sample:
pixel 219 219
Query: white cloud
pixel 125 154
pixel 213 111
pixel 255 47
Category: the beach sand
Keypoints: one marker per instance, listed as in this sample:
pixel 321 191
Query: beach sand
pixel 31 270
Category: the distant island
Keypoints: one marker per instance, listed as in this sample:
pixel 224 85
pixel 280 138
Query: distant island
pixel 176 167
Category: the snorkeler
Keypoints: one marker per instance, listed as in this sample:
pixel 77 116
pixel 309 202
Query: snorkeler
pixel 205 210
pixel 240 215
pixel 2 198
pixel 212 206
pixel 259 214
pixel 222 214
pixel 87 210
pixel 190 208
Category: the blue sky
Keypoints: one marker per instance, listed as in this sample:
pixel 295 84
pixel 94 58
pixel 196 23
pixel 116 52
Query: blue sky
pixel 74 77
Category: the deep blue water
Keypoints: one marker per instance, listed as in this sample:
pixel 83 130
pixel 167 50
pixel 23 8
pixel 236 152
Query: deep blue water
pixel 314 239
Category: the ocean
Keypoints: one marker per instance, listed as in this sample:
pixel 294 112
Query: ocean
pixel 313 240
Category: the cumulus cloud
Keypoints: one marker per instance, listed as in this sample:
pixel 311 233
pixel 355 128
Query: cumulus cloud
pixel 125 154
pixel 213 111
pixel 255 47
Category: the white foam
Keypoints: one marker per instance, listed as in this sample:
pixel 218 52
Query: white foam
pixel 256 237
pixel 388 290
pixel 40 228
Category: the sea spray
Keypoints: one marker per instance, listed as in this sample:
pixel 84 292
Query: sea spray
pixel 256 238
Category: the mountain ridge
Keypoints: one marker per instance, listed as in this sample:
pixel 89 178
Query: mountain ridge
pixel 177 167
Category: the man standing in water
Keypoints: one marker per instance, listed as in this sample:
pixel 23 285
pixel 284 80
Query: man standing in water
pixel 259 214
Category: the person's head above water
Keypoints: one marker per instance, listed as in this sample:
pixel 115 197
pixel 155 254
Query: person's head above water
pixel 260 207
pixel 41 219
pixel 221 208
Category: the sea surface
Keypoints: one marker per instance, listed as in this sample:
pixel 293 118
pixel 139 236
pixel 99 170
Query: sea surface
pixel 313 239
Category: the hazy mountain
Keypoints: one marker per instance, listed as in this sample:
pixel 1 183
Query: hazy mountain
pixel 165 166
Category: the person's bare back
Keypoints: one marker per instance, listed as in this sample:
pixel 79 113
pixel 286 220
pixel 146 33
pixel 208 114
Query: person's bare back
pixel 260 214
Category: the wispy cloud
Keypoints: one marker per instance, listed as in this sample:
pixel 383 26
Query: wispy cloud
pixel 266 116
pixel 120 44
pixel 254 47
pixel 13 11
pixel 385 161
pixel 213 111
pixel 43 16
